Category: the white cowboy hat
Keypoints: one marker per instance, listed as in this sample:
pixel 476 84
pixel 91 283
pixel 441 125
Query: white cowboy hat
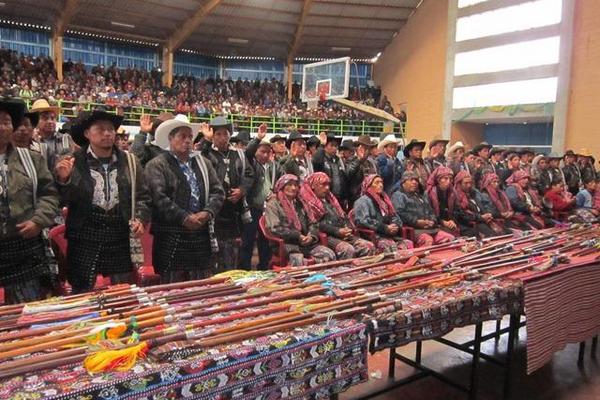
pixel 161 136
pixel 389 139
pixel 454 147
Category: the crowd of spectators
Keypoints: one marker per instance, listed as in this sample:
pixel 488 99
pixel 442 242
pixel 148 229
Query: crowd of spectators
pixel 35 77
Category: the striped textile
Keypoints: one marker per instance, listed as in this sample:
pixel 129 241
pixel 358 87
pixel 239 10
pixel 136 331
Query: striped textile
pixel 561 308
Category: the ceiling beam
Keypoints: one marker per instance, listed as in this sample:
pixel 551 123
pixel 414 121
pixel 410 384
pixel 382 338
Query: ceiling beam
pixel 298 33
pixel 344 3
pixel 186 29
pixel 65 17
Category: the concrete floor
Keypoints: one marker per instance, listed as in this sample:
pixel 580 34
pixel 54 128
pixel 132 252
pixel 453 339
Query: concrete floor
pixel 559 379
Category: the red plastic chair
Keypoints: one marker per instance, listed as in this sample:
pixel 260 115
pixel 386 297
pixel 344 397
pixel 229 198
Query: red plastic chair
pixel 144 276
pixel 280 257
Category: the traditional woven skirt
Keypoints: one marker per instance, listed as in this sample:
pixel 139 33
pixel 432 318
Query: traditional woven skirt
pixel 100 247
pixel 23 264
pixel 179 249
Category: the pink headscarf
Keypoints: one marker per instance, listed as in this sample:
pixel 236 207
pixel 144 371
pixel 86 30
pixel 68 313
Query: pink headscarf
pixel 287 205
pixel 513 181
pixel 498 197
pixel 383 201
pixel 432 182
pixel 313 205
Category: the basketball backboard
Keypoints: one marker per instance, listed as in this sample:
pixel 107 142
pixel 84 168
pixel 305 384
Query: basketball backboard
pixel 325 80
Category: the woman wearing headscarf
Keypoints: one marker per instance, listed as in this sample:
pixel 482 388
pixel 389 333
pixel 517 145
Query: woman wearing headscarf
pixel 323 209
pixel 526 201
pixel 497 202
pixel 374 210
pixel 416 211
pixel 472 218
pixel 441 197
pixel 286 218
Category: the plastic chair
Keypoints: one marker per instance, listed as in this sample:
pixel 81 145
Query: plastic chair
pixel 280 256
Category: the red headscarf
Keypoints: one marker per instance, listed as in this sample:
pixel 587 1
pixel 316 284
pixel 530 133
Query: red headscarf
pixel 513 181
pixel 383 201
pixel 312 204
pixel 432 182
pixel 461 197
pixel 288 206
pixel 498 197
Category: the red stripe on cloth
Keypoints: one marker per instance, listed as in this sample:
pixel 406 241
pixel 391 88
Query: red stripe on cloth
pixel 561 308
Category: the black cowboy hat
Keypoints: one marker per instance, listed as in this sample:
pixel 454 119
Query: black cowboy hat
pixel 277 138
pixel 243 137
pixel 481 146
pixel 496 150
pixel 220 122
pixel 332 138
pixel 15 108
pixel 313 141
pixel 411 144
pixel 366 141
pixel 33 117
pixel 293 136
pixel 570 153
pixel 85 119
pixel 347 145
pixel 525 151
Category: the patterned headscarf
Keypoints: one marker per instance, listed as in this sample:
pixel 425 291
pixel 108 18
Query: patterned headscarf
pixel 461 197
pixel 288 206
pixel 383 201
pixel 498 197
pixel 313 205
pixel 432 193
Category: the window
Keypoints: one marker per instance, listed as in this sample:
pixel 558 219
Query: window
pixel 506 93
pixel 508 57
pixel 524 16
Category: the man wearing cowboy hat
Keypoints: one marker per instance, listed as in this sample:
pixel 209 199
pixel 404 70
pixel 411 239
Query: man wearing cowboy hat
pixel 266 173
pixel 389 168
pixel 236 174
pixel 455 158
pixel 585 162
pixel 297 162
pixel 122 139
pixel 54 144
pixel 413 159
pixel 553 171
pixel 143 146
pixel 497 160
pixel 482 153
pixel 437 148
pixel 96 185
pixel 359 166
pixel 571 172
pixel 186 197
pixel 25 209
pixel 279 149
pixel 526 159
pixel 326 160
pixel 347 150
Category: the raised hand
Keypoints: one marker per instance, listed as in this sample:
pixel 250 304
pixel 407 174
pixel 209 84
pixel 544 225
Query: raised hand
pixel 64 169
pixel 145 123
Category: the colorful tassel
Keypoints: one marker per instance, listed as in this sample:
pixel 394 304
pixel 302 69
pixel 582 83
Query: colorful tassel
pixel 115 360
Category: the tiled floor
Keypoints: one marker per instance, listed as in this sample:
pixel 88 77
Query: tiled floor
pixel 560 379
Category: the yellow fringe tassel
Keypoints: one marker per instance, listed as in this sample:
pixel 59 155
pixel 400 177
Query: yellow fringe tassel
pixel 115 360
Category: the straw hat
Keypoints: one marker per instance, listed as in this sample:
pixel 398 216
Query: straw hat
pixel 42 105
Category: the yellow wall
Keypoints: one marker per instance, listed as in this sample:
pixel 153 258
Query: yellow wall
pixel 412 68
pixel 469 133
pixel 583 115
